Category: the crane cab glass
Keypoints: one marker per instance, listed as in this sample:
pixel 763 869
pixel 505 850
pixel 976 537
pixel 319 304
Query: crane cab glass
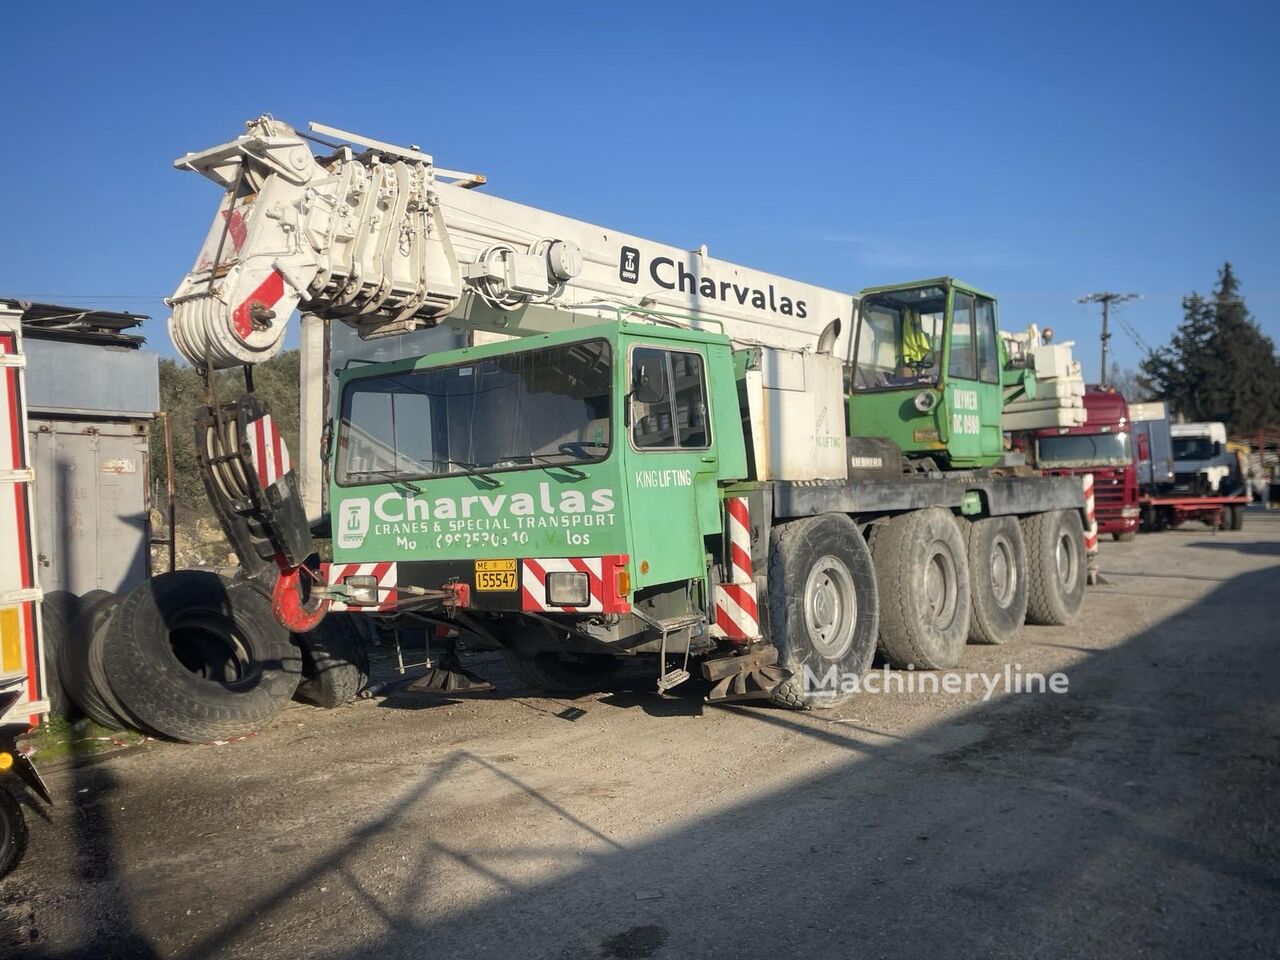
pixel 525 409
pixel 925 370
pixel 899 339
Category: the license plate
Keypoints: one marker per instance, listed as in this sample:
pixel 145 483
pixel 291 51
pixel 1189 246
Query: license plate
pixel 495 575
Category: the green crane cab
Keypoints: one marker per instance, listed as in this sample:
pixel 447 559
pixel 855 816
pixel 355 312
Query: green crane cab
pixel 537 449
pixel 927 372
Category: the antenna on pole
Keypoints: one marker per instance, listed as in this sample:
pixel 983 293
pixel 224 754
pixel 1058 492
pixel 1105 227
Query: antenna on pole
pixel 1106 298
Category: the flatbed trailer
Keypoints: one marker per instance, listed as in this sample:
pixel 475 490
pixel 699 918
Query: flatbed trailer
pixel 1164 513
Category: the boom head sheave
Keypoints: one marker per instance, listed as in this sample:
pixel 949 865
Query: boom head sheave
pixel 357 238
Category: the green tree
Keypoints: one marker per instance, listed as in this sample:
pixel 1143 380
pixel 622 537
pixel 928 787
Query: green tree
pixel 182 393
pixel 1219 365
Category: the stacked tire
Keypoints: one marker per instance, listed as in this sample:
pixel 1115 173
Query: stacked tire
pixel 196 656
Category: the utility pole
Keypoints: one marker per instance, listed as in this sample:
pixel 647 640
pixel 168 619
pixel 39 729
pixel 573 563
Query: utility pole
pixel 1106 298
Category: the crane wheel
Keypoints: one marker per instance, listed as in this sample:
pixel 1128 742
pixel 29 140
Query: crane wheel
pixel 998 578
pixel 1056 566
pixel 922 569
pixel 335 662
pixel 823 609
pixel 531 656
pixel 561 673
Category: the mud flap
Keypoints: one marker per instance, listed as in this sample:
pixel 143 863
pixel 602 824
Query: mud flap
pixel 11 693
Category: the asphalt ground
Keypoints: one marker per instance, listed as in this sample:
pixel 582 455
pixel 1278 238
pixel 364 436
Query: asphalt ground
pixel 1136 814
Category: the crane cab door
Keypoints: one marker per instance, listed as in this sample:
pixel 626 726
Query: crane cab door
pixel 973 395
pixel 671 463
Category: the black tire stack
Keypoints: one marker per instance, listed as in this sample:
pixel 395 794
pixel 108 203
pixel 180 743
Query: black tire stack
pixel 199 657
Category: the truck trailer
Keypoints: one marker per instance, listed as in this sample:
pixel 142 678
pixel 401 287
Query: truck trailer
pixel 24 695
pixel 641 451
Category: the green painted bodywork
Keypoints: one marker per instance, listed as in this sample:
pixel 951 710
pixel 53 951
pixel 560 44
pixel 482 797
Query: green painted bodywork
pixel 963 428
pixel 654 506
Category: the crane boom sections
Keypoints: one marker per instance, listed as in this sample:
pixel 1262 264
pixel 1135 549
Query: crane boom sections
pixel 381 240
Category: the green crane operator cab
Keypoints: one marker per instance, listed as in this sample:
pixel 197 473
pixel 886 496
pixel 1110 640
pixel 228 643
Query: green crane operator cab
pixel 925 374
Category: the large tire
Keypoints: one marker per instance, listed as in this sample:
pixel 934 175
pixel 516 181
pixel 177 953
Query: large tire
pixel 997 578
pixel 197 657
pixel 823 608
pixel 92 696
pixel 335 662
pixel 13 832
pixel 561 673
pixel 922 571
pixel 1056 566
pixel 57 610
pixel 1237 517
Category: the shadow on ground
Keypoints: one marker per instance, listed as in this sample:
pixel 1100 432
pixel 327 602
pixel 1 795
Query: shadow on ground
pixel 1134 814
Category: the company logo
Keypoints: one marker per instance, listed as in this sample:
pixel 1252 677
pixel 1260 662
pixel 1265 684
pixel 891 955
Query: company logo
pixel 629 265
pixel 353 524
pixel 672 275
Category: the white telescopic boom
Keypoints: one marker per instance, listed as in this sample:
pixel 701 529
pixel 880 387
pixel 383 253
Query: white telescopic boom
pixel 380 240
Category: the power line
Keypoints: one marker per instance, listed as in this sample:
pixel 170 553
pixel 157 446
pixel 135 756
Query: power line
pixel 1106 298
pixel 1133 334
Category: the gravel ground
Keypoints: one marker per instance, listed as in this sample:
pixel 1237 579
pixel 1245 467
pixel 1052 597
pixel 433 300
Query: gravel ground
pixel 1134 815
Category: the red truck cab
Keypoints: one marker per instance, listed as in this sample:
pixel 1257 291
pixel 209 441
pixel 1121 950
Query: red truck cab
pixel 1102 446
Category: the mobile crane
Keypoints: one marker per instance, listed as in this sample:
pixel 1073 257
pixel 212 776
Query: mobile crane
pixel 644 450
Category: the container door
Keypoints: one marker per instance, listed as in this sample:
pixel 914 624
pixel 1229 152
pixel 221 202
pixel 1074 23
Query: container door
pixel 20 653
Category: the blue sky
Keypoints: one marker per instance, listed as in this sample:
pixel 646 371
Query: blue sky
pixel 1041 151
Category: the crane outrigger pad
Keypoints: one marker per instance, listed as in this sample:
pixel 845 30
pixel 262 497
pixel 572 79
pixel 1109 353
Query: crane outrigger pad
pixel 751 675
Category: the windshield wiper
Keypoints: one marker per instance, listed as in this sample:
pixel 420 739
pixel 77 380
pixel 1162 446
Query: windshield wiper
pixel 545 458
pixel 388 475
pixel 473 470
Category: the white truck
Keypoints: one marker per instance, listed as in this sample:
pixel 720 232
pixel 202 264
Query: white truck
pixel 1202 464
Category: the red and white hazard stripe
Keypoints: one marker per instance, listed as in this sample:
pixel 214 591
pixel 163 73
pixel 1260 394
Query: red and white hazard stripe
pixel 737 604
pixel 602 581
pixel 387 575
pixel 265 295
pixel 267 451
pixel 1091 516
pixel 533 580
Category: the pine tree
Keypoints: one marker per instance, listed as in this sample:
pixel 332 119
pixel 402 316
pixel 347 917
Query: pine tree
pixel 1219 366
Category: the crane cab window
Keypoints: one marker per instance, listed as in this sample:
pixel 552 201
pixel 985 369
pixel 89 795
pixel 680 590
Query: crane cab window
pixel 975 351
pixel 668 400
pixel 964 347
pixel 988 341
pixel 899 338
